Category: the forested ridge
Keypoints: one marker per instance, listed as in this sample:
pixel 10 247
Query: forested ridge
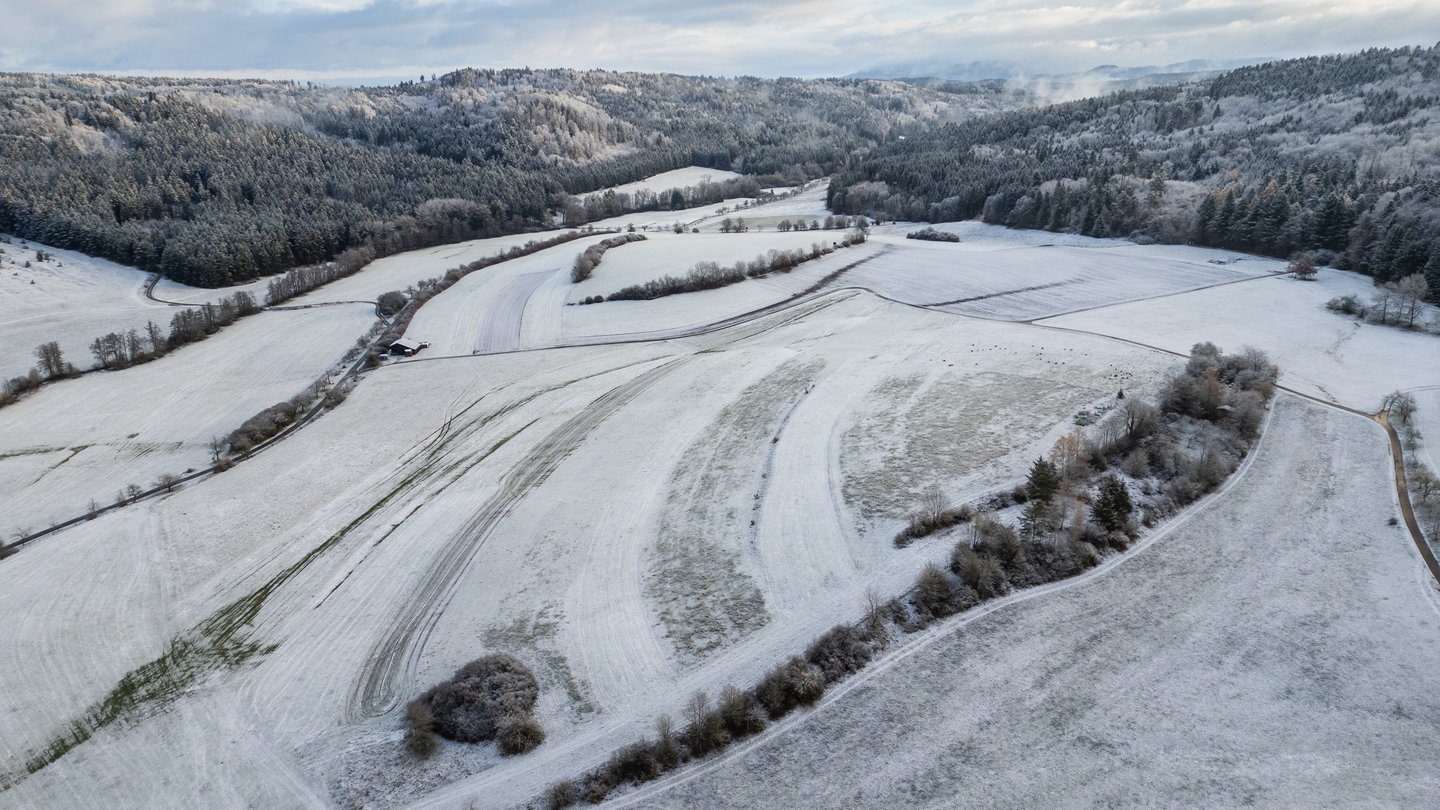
pixel 214 182
pixel 1334 155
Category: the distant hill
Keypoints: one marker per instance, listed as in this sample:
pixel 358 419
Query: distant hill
pixel 1336 155
pixel 1096 81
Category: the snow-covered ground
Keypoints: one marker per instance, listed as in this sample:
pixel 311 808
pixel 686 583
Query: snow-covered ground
pixel 85 440
pixel 1324 354
pixel 677 178
pixel 71 299
pixel 641 519
pixel 1253 656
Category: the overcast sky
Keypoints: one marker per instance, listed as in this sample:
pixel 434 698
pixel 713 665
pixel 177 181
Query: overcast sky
pixel 375 40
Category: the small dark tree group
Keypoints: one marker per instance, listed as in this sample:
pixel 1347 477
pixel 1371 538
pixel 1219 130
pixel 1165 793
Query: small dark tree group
pixel 589 259
pixel 1112 508
pixel 490 698
pixel 1395 303
pixel 390 303
pixel 51 361
pixel 930 234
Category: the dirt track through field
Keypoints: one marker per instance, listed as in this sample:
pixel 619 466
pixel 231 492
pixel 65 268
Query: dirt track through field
pixel 376 691
pixel 1402 489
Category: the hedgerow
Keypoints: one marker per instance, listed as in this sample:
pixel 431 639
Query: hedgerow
pixel 1064 527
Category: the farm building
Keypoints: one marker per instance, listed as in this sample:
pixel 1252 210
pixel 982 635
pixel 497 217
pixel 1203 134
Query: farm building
pixel 408 346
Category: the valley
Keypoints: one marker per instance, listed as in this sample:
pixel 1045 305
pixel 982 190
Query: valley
pixel 645 499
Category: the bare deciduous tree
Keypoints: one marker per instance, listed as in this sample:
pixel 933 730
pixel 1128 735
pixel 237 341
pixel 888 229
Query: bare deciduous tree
pixel 1303 266
pixel 1401 406
pixel 933 503
pixel 52 360
pixel 1411 292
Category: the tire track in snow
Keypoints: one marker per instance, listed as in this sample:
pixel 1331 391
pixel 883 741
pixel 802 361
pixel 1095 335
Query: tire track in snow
pixel 505 314
pixel 376 692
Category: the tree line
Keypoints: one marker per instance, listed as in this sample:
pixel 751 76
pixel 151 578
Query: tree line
pixel 117 350
pixel 708 275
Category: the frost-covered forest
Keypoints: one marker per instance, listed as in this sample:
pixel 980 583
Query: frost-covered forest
pixel 213 182
pixel 1332 154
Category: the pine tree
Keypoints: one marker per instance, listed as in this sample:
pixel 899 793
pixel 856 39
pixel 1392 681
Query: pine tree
pixel 1043 481
pixel 1112 507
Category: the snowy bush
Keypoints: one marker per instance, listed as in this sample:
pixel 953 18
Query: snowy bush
pixel 794 683
pixel 485 695
pixel 933 235
pixel 562 794
pixel 518 733
pixel 844 649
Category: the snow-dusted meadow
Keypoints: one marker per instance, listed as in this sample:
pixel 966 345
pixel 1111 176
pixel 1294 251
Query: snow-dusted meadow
pixel 80 442
pixel 71 299
pixel 646 499
pixel 687 177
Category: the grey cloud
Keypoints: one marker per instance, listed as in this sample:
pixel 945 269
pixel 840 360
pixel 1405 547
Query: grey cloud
pixel 779 37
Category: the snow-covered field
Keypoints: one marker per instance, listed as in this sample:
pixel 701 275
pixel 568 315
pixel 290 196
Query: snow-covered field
pixel 71 299
pixel 83 441
pixel 1253 656
pixel 678 178
pixel 639 519
pixel 1321 353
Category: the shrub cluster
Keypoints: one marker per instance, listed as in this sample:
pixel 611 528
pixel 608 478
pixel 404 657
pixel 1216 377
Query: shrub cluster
pixel 18 386
pixel 933 235
pixel 740 713
pixel 588 260
pixel 1395 303
pixel 304 279
pixel 925 523
pixel 390 303
pixel 490 698
pixel 710 275
pixel 193 325
pixel 267 423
